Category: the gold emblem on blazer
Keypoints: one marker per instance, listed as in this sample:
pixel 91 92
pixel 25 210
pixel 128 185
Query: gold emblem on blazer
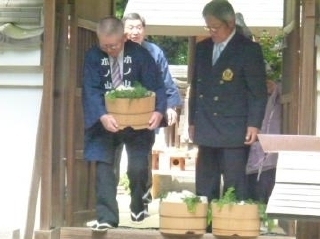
pixel 227 75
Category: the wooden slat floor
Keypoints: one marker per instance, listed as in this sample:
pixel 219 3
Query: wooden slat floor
pixel 119 233
pixel 147 230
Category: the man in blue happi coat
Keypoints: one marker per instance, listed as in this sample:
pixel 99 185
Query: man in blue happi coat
pixel 102 135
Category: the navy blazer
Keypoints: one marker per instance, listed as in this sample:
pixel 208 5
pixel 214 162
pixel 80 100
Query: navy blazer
pixel 230 96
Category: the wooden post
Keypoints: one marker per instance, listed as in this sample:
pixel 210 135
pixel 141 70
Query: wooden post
pixel 35 183
pixel 47 109
pixel 290 69
pixel 308 87
pixel 307 93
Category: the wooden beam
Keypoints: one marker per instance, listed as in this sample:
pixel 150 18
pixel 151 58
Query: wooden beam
pixel 60 112
pixel 35 183
pixel 24 69
pixel 307 95
pixel 93 12
pixel 160 30
pixel 308 86
pixel 87 24
pixel 72 85
pixel 290 69
pixel 47 234
pixel 47 110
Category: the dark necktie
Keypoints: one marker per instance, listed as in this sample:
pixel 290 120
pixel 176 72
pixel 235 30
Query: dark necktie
pixel 116 76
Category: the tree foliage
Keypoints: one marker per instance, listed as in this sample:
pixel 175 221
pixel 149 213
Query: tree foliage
pixel 272 53
pixel 175 48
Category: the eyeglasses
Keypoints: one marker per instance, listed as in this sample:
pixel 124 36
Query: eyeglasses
pixel 212 29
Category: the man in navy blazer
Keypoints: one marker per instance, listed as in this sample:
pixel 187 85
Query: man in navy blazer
pixel 227 102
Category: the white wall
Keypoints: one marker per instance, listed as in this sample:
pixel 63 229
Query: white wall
pixel 20 98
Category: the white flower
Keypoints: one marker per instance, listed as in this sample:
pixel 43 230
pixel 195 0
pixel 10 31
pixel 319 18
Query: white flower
pixel 180 196
pixel 122 87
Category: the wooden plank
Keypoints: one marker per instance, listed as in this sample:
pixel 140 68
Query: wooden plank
pixel 308 86
pixel 35 184
pixel 296 200
pixel 60 112
pixel 47 234
pixel 277 142
pixel 307 92
pixel 297 176
pixel 71 115
pixel 296 189
pixel 290 82
pixel 86 24
pixel 291 170
pixel 292 160
pixel 308 230
pixel 21 87
pixel 21 68
pixel 120 233
pixel 47 107
pixel 100 9
pixel 290 69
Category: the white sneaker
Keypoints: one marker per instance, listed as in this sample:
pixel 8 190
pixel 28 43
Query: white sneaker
pixel 91 223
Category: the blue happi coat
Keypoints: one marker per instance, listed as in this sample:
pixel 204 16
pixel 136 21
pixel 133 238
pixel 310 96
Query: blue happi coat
pixel 138 65
pixel 172 91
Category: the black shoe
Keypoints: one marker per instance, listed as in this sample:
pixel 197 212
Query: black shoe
pixel 139 217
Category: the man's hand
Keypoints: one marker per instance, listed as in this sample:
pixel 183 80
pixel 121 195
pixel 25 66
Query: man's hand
pixel 251 135
pixel 109 123
pixel 171 116
pixel 155 120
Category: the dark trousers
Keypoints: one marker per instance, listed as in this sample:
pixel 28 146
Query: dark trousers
pixel 138 145
pixel 260 188
pixel 117 162
pixel 212 163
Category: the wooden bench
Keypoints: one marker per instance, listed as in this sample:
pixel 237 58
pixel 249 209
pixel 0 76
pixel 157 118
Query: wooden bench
pixel 296 194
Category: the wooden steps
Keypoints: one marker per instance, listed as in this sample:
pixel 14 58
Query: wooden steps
pixel 120 233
